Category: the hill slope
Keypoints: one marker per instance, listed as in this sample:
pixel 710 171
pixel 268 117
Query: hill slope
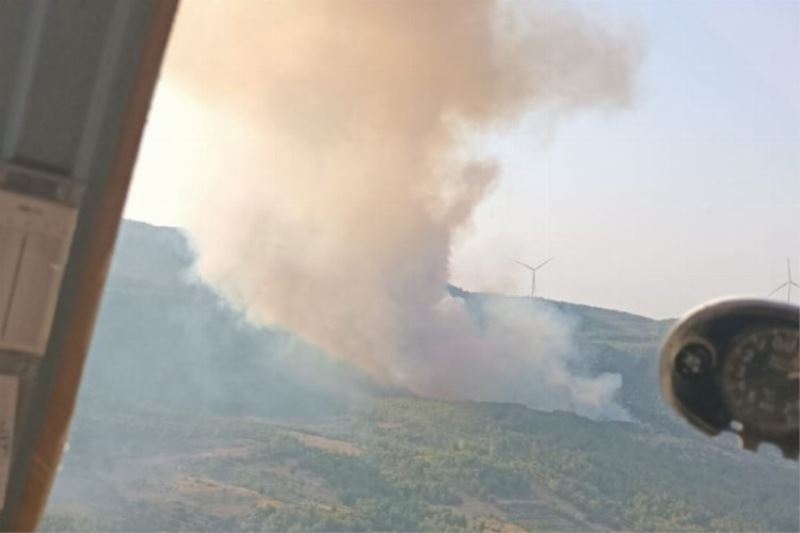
pixel 197 349
pixel 190 418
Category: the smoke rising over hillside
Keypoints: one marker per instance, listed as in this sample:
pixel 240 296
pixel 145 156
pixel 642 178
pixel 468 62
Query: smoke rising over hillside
pixel 333 214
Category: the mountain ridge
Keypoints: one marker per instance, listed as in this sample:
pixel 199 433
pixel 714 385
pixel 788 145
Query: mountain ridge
pixel 152 274
pixel 191 417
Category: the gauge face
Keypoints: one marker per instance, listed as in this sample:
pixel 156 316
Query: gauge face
pixel 760 379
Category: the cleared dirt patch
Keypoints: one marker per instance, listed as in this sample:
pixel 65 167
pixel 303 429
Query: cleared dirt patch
pixel 221 499
pixel 495 524
pixel 342 447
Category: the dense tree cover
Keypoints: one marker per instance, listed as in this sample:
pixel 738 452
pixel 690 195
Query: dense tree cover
pixel 427 465
pixel 191 419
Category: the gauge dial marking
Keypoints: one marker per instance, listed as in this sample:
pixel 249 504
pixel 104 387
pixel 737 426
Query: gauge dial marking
pixel 759 379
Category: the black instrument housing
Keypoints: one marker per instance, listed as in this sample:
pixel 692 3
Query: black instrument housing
pixel 694 354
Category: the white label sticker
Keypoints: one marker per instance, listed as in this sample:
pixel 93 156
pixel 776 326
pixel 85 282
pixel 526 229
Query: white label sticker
pixel 35 236
pixel 8 413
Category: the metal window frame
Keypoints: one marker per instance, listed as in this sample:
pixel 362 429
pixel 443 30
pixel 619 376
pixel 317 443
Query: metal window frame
pixel 133 45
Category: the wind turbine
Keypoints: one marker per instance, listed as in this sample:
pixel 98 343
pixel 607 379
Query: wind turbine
pixel 788 283
pixel 533 273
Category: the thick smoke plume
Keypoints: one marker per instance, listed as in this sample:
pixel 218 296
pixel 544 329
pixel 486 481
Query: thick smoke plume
pixel 333 214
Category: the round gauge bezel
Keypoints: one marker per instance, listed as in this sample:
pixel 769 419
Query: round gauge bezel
pixel 692 340
pixel 700 400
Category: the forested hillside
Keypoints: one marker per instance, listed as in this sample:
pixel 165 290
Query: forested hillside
pixel 190 418
pixel 407 464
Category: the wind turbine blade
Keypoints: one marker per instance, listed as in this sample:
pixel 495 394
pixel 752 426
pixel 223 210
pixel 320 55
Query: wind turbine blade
pixel 782 285
pixel 520 263
pixel 542 264
pixel 795 284
pixel 789 269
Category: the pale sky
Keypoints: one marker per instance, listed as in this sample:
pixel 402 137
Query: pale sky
pixel 691 193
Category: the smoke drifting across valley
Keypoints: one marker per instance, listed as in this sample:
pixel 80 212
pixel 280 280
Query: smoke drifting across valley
pixel 338 176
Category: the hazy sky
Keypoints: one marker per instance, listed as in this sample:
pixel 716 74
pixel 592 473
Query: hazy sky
pixel 691 193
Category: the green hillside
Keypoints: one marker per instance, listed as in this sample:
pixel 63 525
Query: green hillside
pixel 408 464
pixel 192 419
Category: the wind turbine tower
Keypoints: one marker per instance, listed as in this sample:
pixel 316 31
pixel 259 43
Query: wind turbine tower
pixel 533 273
pixel 789 283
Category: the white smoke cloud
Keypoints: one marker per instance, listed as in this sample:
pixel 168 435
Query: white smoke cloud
pixel 333 214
